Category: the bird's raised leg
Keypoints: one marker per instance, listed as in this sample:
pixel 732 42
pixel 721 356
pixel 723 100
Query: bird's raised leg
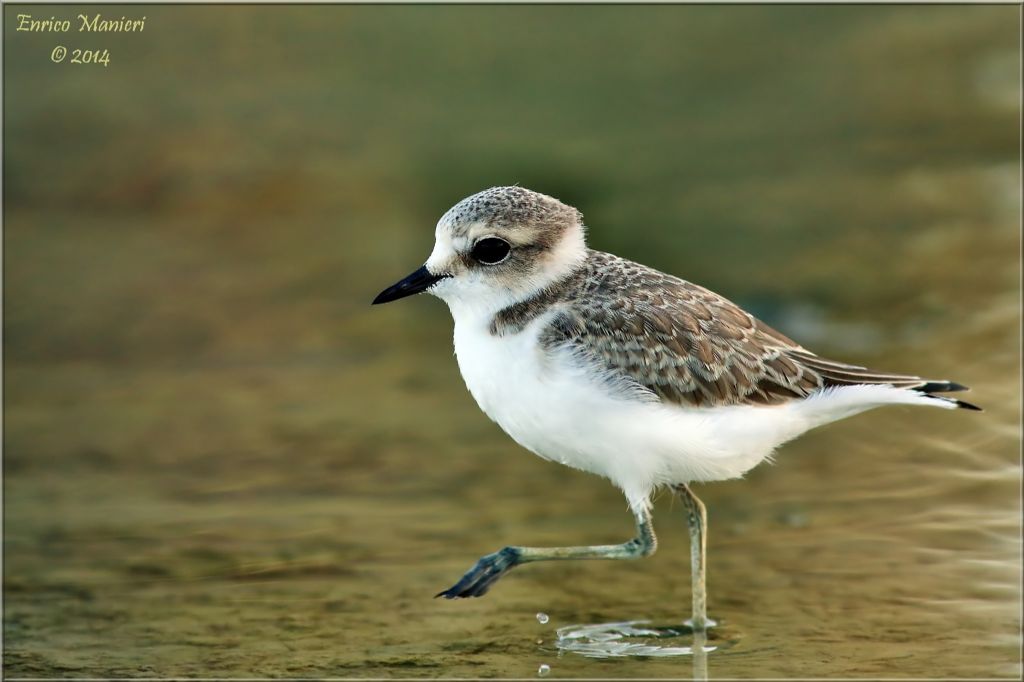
pixel 488 569
pixel 697 520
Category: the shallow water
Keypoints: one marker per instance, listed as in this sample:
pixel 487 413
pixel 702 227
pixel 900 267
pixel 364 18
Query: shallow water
pixel 220 461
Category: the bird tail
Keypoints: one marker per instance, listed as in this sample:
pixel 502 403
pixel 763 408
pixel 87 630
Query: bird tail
pixel 836 374
pixel 929 388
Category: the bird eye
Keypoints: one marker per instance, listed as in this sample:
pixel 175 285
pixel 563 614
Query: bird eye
pixel 491 251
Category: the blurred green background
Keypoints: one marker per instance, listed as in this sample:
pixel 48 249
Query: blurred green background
pixel 219 460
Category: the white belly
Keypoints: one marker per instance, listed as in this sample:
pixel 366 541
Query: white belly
pixel 558 409
pixel 554 408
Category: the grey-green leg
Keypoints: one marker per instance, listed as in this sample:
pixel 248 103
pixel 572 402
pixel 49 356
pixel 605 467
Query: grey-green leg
pixel 488 569
pixel 700 655
pixel 697 520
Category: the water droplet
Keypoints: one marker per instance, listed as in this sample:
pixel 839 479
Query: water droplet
pixel 542 618
pixel 540 641
pixel 543 670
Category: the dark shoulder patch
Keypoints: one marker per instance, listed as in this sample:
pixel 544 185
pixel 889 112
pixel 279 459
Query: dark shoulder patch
pixel 516 317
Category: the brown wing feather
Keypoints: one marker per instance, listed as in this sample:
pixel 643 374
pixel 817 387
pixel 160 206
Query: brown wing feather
pixel 682 342
pixel 841 374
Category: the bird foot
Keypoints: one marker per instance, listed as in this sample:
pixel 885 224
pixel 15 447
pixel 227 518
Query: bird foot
pixel 485 573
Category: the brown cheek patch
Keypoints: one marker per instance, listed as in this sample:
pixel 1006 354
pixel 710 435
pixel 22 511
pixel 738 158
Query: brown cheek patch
pixel 518 264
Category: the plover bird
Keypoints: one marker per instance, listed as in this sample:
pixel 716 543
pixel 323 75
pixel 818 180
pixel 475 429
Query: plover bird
pixel 614 368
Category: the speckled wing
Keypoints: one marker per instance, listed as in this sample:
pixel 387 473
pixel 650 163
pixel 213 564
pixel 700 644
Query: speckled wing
pixel 690 346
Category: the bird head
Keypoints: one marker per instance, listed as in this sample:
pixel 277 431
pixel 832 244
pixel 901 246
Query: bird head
pixel 497 247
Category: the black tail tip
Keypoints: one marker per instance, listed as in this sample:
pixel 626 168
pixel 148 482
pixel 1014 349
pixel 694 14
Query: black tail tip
pixel 941 387
pixel 962 404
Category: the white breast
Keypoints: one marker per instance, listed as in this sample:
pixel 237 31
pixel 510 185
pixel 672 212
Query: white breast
pixel 535 398
pixel 511 380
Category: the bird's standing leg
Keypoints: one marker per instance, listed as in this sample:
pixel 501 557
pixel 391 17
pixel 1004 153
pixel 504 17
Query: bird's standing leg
pixel 697 520
pixel 488 569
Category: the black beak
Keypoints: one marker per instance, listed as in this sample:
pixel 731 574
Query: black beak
pixel 421 280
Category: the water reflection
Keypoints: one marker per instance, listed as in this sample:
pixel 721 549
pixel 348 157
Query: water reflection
pixel 637 638
pixel 629 638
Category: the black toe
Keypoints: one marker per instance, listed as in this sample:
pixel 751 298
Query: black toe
pixel 478 580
